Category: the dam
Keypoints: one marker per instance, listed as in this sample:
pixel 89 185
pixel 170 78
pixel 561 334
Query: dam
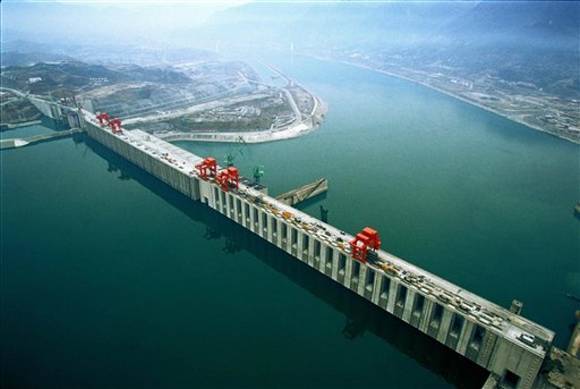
pixel 499 340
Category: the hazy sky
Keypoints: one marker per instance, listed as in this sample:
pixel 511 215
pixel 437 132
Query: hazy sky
pixel 98 20
pixel 175 23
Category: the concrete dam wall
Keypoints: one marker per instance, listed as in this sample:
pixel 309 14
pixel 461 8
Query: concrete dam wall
pixel 500 341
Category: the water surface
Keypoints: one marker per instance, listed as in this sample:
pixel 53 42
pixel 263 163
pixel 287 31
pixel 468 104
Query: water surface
pixel 109 278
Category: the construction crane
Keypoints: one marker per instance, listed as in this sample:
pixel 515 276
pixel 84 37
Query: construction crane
pixel 115 125
pixel 367 239
pixel 230 159
pixel 228 177
pixel 103 118
pixel 207 168
pixel 258 173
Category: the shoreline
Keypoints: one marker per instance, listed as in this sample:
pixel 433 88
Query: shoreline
pixel 450 94
pixel 294 130
pixel 300 126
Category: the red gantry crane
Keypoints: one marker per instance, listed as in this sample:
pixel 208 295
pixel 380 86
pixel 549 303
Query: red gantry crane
pixel 207 168
pixel 228 177
pixel 115 125
pixel 103 118
pixel 367 239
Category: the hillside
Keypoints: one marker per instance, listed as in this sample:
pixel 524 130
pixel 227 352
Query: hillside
pixel 62 78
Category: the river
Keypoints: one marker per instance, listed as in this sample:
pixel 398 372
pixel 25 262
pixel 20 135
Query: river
pixel 111 279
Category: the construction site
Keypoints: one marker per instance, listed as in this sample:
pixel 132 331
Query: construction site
pixel 207 99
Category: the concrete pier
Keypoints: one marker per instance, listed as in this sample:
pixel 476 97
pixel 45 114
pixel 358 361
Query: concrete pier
pixel 304 193
pixel 18 142
pixel 506 344
pixel 12 143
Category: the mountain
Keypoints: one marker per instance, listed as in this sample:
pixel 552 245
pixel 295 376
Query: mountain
pixel 324 24
pixel 76 75
pixel 16 58
pixel 535 42
pixel 541 24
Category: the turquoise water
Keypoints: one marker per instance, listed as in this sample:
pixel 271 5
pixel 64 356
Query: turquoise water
pixel 110 279
pixel 46 126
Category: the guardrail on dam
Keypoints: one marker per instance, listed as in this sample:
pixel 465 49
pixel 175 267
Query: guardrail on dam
pixel 502 342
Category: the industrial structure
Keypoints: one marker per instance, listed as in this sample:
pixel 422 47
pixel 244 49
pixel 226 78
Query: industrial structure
pixel 305 192
pixel 506 344
pixel 12 143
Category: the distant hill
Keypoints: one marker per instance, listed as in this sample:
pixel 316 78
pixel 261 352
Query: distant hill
pixel 15 58
pixel 542 24
pixel 529 41
pixel 342 23
pixel 73 75
pixel 393 24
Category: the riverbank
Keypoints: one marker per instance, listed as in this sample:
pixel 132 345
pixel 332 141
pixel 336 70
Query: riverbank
pixel 451 94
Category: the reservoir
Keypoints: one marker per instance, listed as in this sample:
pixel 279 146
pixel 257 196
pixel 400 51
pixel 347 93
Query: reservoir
pixel 109 278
